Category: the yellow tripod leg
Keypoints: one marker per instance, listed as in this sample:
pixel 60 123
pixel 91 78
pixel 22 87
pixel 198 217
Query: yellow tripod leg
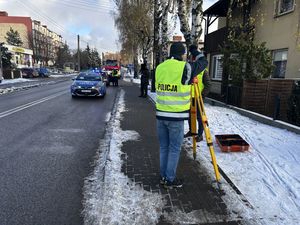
pixel 193 112
pixel 207 132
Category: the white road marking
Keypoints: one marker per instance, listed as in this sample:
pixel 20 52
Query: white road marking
pixel 28 105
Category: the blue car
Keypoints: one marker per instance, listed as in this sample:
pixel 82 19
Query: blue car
pixel 43 72
pixel 88 84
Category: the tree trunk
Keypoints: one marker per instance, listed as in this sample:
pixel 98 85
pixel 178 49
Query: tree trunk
pixel 184 21
pixel 157 18
pixel 197 18
pixel 164 36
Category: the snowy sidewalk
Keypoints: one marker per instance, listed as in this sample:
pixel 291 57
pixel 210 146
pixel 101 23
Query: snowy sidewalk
pixel 129 191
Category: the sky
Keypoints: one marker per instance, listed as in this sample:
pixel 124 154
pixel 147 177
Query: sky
pixel 91 19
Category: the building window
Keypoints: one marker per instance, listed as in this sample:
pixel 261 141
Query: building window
pixel 284 6
pixel 217 68
pixel 279 61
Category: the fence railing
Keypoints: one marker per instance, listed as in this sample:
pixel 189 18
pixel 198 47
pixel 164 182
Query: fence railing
pixel 272 97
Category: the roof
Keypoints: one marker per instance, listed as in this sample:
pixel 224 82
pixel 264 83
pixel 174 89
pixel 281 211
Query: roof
pixel 220 9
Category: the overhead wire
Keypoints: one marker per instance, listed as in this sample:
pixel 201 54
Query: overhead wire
pixel 88 4
pixel 87 7
pixel 39 13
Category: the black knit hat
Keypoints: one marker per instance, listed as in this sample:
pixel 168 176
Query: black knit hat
pixel 177 49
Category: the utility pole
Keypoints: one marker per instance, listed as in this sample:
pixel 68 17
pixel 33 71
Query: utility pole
pixel 154 47
pixel 1 67
pixel 78 53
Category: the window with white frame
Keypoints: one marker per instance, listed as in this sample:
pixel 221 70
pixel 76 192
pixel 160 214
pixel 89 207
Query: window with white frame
pixel 284 6
pixel 217 67
pixel 280 62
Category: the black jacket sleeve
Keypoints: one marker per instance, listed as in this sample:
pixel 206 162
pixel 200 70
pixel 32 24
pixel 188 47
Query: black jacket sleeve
pixel 192 69
pixel 206 82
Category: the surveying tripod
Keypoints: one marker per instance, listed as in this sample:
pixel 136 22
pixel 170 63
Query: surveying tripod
pixel 197 103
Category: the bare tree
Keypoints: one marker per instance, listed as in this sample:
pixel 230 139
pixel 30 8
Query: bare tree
pixel 164 33
pixel 161 10
pixel 134 21
pixel 190 10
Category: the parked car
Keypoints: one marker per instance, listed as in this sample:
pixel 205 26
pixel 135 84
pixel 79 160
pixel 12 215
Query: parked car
pixel 88 84
pixel 43 72
pixel 29 72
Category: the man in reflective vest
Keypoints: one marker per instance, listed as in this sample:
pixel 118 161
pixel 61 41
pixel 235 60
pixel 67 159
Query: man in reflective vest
pixel 204 86
pixel 173 80
pixel 115 77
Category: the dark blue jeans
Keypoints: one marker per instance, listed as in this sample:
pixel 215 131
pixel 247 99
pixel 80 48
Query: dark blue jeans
pixel 170 134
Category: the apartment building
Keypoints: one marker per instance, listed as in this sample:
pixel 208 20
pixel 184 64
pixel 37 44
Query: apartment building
pixel 45 44
pixel 21 55
pixel 40 44
pixel 277 23
pixel 22 24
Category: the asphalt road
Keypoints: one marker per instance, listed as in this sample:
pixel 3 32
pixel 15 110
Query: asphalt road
pixel 47 144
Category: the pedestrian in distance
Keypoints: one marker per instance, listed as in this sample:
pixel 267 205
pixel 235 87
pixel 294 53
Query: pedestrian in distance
pixel 173 80
pixel 144 80
pixel 204 86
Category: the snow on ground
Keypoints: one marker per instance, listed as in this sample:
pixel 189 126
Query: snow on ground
pixel 63 75
pixel 115 199
pixel 12 81
pixel 129 78
pixel 12 89
pixel 267 174
pixel 23 80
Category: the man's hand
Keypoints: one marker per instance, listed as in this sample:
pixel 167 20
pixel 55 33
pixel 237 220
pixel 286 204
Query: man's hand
pixel 195 80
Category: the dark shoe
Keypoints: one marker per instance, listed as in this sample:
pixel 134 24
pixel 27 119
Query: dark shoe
pixel 140 96
pixel 176 183
pixel 188 134
pixel 162 180
pixel 199 138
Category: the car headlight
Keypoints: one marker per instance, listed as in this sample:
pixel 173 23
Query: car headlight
pixel 75 86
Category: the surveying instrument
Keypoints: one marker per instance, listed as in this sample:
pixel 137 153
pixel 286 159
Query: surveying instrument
pixel 197 104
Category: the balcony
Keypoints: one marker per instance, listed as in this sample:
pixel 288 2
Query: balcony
pixel 214 40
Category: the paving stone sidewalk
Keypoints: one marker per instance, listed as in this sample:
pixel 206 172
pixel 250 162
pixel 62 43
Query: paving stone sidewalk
pixel 198 198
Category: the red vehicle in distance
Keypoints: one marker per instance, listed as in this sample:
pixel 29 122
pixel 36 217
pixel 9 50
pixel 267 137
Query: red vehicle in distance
pixel 109 66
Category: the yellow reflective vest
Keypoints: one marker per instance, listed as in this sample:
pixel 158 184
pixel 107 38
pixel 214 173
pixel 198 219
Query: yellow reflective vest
pixel 172 97
pixel 200 83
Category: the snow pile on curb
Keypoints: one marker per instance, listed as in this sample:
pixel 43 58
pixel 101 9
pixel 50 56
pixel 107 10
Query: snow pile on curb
pixel 12 89
pixel 115 199
pixel 12 81
pixel 63 75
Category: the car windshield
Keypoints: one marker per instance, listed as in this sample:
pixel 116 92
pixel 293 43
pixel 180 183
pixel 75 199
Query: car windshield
pixel 89 77
pixel 111 62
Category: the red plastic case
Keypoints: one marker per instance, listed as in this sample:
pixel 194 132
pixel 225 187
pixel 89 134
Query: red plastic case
pixel 232 143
